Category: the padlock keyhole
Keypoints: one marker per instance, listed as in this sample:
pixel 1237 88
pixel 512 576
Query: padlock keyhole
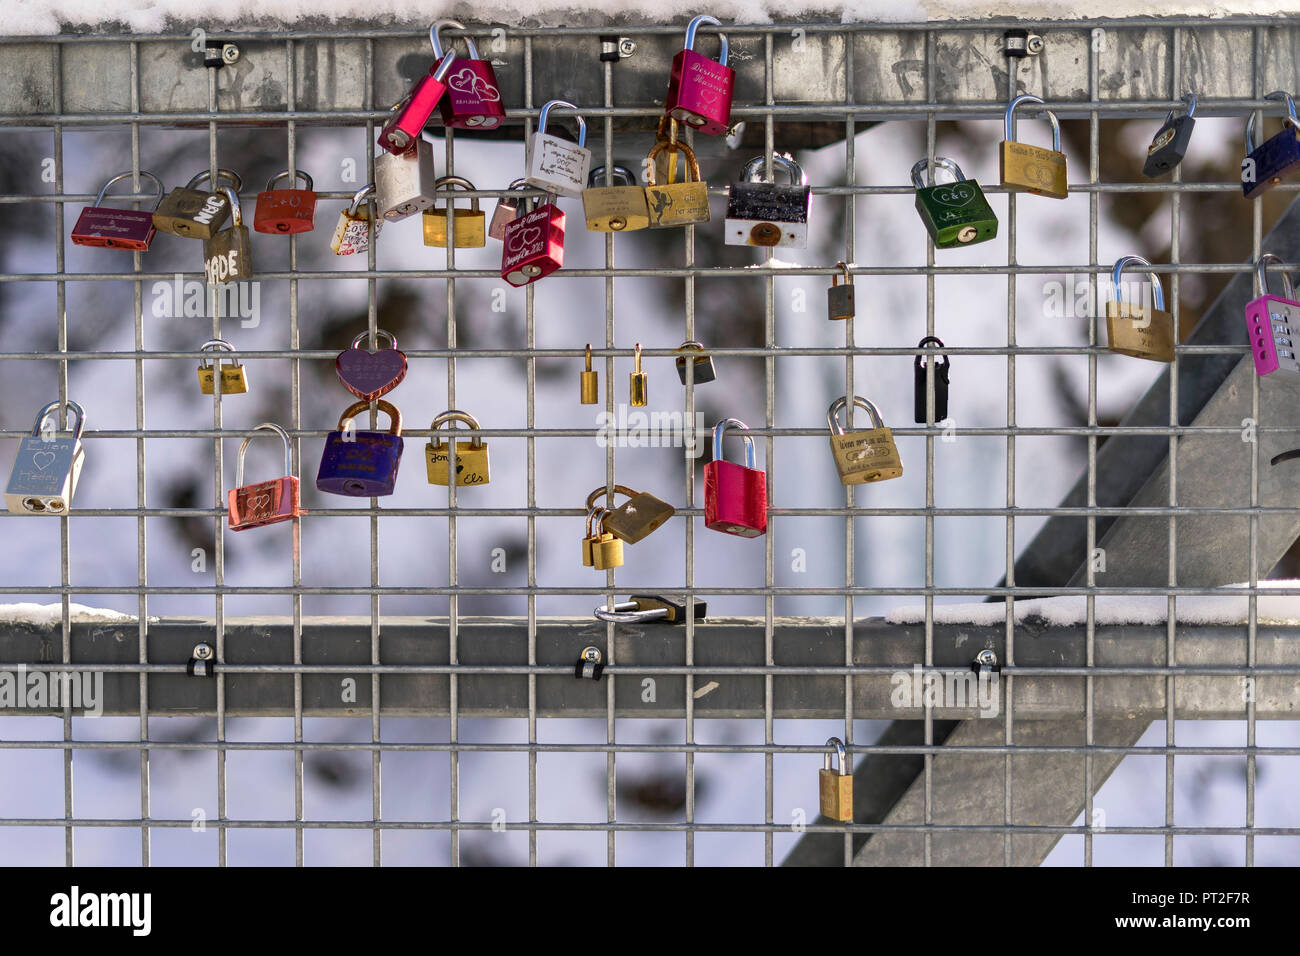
pixel 765 234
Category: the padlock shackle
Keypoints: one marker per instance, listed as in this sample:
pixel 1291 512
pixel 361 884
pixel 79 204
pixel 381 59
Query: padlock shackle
pixel 459 181
pixel 625 612
pixel 1188 98
pixel 848 276
pixel 691 346
pixel 243 447
pixel 1158 292
pixel 694 25
pixel 456 415
pixel 940 162
pixel 436 40
pixel 591 516
pixel 1290 117
pixel 47 410
pixel 128 175
pixel 841 403
pixel 216 345
pixel 297 174
pixel 841 754
pixel 546 110
pixel 1009 121
pixel 1261 275
pixel 602 490
pixel 618 173
pixel 236 210
pixel 692 164
pixel 229 175
pixel 366 193
pixel 379 334
pixel 356 408
pixel 917 363
pixel 752 171
pixel 720 434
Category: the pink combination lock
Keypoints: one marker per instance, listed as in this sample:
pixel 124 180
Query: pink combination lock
pixel 1272 324
pixel 473 99
pixel 700 89
pixel 402 132
pixel 533 245
pixel 735 496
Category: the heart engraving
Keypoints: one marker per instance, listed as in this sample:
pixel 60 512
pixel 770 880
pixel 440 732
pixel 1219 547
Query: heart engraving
pixel 525 238
pixel 43 459
pixel 368 375
pixel 954 194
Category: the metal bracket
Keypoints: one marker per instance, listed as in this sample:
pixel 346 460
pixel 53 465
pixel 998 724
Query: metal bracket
pixel 217 55
pixel 615 48
pixel 590 664
pixel 200 662
pixel 1021 43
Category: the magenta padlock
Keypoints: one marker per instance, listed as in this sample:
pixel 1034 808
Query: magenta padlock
pixel 533 246
pixel 361 464
pixel 735 496
pixel 401 133
pixel 700 89
pixel 1273 325
pixel 116 228
pixel 473 99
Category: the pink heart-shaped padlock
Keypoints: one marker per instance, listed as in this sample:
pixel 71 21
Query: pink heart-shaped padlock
pixel 368 375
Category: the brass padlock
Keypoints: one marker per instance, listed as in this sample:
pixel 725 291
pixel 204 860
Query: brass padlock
pixel 839 298
pixel 471 456
pixel 702 363
pixel 865 455
pixel 470 224
pixel 233 379
pixel 606 550
pixel 1032 169
pixel 591 537
pixel 227 256
pixel 352 234
pixel 618 208
pixel 589 383
pixel 684 203
pixel 634 519
pixel 193 214
pixel 1139 330
pixel 836 786
pixel 638 385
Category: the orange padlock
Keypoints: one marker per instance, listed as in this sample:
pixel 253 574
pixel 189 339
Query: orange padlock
pixel 285 211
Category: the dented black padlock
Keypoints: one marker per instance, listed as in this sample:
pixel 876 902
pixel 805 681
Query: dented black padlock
pixel 1169 145
pixel 940 383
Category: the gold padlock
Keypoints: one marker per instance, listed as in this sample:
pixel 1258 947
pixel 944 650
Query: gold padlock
pixel 641 514
pixel 638 384
pixel 866 455
pixel 470 224
pixel 606 550
pixel 589 383
pixel 591 536
pixel 1032 169
pixel 471 456
pixel 1138 330
pixel 233 379
pixel 614 208
pixel 191 213
pixel 675 203
pixel 836 786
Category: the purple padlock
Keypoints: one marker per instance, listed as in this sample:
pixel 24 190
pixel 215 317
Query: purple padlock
pixel 361 464
pixel 368 375
pixel 116 228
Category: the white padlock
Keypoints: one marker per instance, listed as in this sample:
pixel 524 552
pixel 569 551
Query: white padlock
pixel 406 184
pixel 555 164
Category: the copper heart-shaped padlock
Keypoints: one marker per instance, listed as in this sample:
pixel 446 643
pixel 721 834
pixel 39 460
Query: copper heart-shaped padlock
pixel 368 375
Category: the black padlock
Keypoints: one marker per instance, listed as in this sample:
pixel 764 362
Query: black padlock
pixel 940 383
pixel 1169 146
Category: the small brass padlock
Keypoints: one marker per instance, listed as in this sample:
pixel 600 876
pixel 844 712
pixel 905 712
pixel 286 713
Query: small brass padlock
pixel 619 208
pixel 589 383
pixel 234 381
pixel 836 786
pixel 673 203
pixel 352 234
pixel 227 256
pixel 591 537
pixel 1032 169
pixel 193 214
pixel 470 224
pixel 701 363
pixel 638 385
pixel 1139 330
pixel 606 550
pixel 839 298
pixel 471 456
pixel 638 516
pixel 865 455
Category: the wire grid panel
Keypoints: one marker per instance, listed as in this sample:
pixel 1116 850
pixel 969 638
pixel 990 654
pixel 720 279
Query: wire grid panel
pixel 772 103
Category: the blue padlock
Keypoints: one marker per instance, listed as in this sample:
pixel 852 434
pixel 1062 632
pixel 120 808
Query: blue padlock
pixel 1277 158
pixel 361 464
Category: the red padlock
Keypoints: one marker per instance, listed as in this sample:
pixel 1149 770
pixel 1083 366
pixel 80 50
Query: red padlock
pixel 285 211
pixel 473 99
pixel 735 496
pixel 267 502
pixel 533 246
pixel 116 228
pixel 401 133
pixel 700 89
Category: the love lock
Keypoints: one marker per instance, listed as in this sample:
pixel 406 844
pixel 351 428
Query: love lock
pixel 643 608
pixel 201 661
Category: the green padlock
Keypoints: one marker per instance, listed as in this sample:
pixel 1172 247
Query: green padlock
pixel 956 213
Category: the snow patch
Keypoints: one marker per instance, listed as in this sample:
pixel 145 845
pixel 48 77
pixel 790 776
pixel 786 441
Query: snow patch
pixel 51 615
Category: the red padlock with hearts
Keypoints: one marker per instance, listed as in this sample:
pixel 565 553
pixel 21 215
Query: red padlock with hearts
pixel 369 375
pixel 267 502
pixel 533 246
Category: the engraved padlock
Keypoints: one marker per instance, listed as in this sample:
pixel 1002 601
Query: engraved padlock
pixel 700 89
pixel 1031 169
pixel 1169 145
pixel 673 203
pixel 266 502
pixel 957 213
pixel 768 214
pixel 1141 331
pixel 1277 158
pixel 835 786
pixel 920 370
pixel 471 456
pixel 352 234
pixel 555 164
pixel 864 455
pixel 473 97
pixel 405 184
pixel 361 464
pixel 692 355
pixel 735 496
pixel 232 376
pixel 47 466
pixel 533 246
pixel 110 228
pixel 839 298
pixel 401 134
pixel 469 226
pixel 1273 324
pixel 633 520
pixel 227 255
pixel 620 208
pixel 285 212
pixel 369 374
pixel 192 213
pixel 506 209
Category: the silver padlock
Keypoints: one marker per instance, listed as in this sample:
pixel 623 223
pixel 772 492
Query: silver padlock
pixel 406 184
pixel 47 466
pixel 555 164
pixel 506 209
pixel 768 214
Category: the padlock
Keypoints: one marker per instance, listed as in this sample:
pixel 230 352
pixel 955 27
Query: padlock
pixel 702 363
pixel 471 456
pixel 470 224
pixel 919 390
pixel 116 228
pixel 1032 169
pixel 645 608
pixel 352 234
pixel 700 89
pixel 1139 330
pixel 367 374
pixel 767 214
pixel 201 661
pixel 266 502
pixel 47 466
pixel 633 520
pixel 405 184
pixel 591 537
pixel 1273 324
pixel 401 133
pixel 285 211
pixel 234 380
pixel 839 298
pixel 589 383
pixel 638 386
pixel 865 455
pixel 473 97
pixel 606 548
pixel 614 208
pixel 361 464
pixel 673 203
pixel 555 164
pixel 955 214
pixel 506 209
pixel 735 496
pixel 227 256
pixel 836 786
pixel 533 246
pixel 1277 158
pixel 193 214
pixel 590 664
pixel 1169 145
